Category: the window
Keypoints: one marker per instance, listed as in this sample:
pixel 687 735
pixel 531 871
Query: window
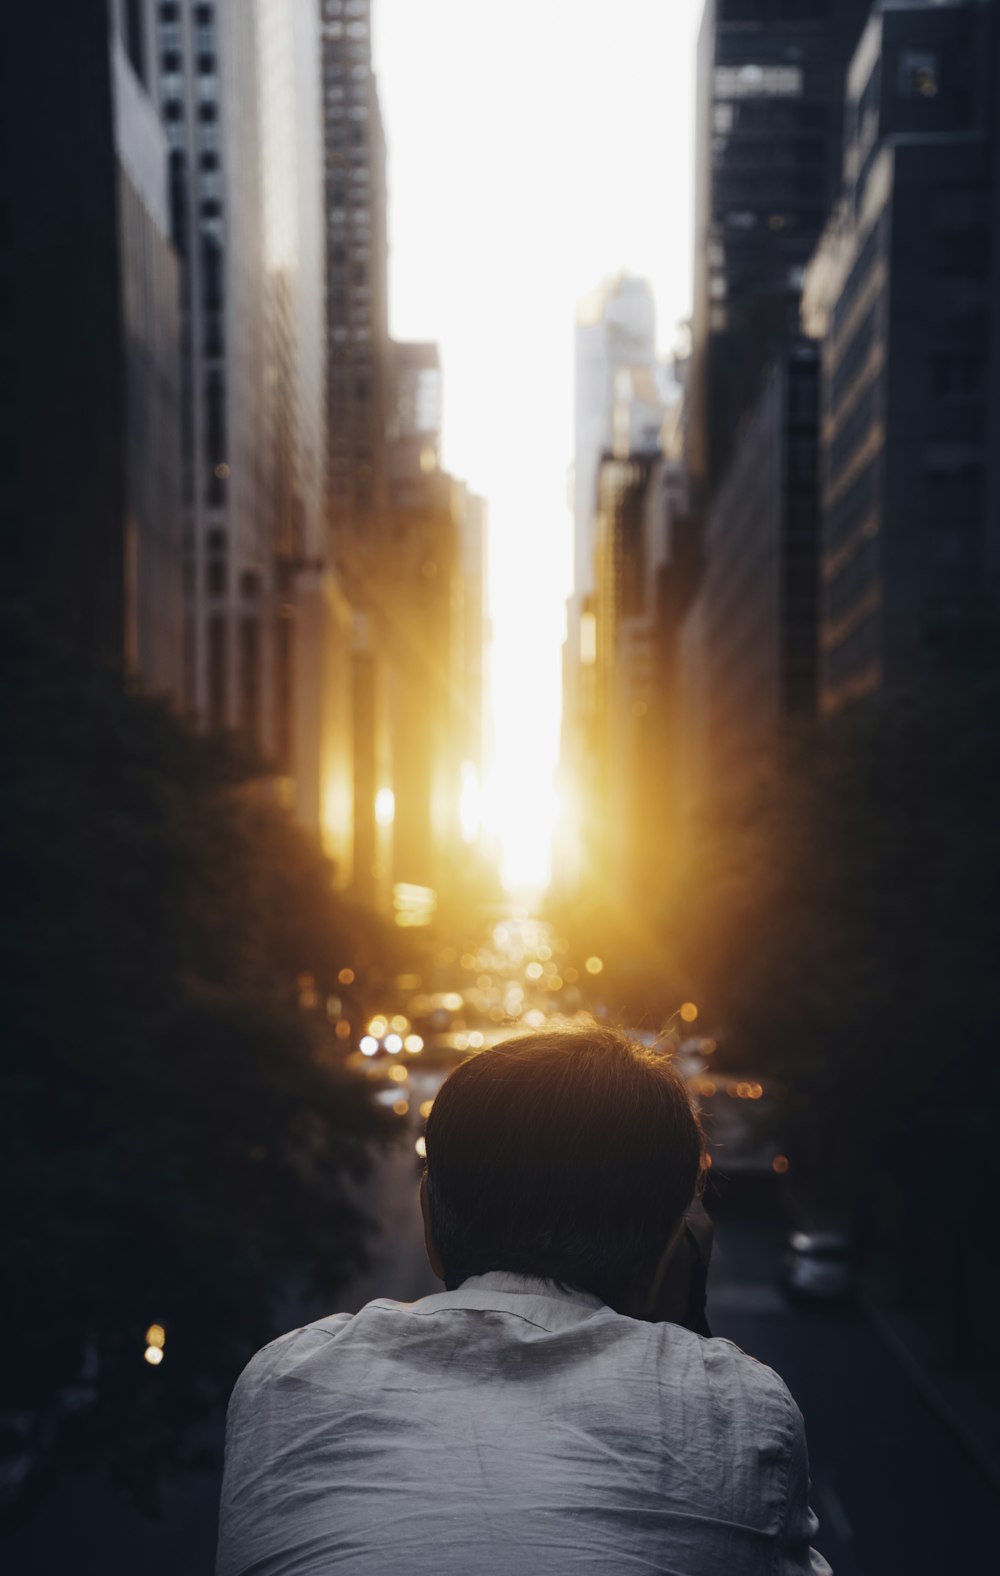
pixel 173 109
pixel 758 81
pixel 217 577
pixel 919 74
pixel 208 112
pixel 217 671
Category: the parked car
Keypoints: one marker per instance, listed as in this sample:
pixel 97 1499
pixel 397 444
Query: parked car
pixel 818 1266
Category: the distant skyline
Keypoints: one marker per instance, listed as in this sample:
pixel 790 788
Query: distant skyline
pixel 535 149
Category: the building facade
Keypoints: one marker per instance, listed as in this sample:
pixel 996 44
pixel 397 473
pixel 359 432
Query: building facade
pixel 89 363
pixel 748 649
pixel 768 139
pixel 903 296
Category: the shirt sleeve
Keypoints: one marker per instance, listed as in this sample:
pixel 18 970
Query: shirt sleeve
pixel 797 1557
pixel 255 1428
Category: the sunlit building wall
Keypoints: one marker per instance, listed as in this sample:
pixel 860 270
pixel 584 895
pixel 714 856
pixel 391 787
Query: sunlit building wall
pixel 903 294
pixel 433 582
pixel 615 334
pixel 89 345
pixel 311 618
pixel 357 377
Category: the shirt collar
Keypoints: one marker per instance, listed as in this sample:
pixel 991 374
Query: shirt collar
pixel 509 1283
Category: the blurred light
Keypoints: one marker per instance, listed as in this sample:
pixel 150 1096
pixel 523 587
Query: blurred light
pixel 571 975
pixel 222 471
pixel 469 809
pixel 535 1018
pixel 368 1046
pixel 346 976
pixel 706 1086
pixel 534 971
pixel 689 1011
pixel 153 1355
pixel 343 1030
pixel 414 1044
pixel 780 1164
pixel 398 1074
pixel 426 1107
pixel 475 1039
pixel 706 1161
pixel 468 961
pixel 421 1147
pixel 385 807
pixel 555 983
pixel 756 1091
pixel 156 1335
pixel 401 1107
pixel 452 1001
pixel 484 982
pixel 407 981
pixel 545 953
pixel 399 1023
pixel 461 1042
pixel 393 1044
pixel 593 965
pixel 496 1014
pixel 378 1026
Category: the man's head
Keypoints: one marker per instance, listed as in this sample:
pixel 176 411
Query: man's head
pixel 570 1155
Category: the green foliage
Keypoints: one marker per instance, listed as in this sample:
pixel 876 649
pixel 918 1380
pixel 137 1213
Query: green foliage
pixel 179 1135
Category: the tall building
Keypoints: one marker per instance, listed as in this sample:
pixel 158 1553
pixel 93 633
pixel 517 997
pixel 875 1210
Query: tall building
pixel 433 629
pixel 269 632
pixel 617 410
pixel 207 84
pixel 356 292
pixel 749 642
pixel 89 341
pixel 769 109
pixel 357 382
pixel 904 296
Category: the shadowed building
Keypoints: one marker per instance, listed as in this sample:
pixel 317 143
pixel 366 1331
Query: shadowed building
pixel 903 294
pixel 768 147
pixel 89 341
pixel 748 649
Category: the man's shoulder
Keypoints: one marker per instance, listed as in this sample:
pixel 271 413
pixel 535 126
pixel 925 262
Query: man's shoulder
pixel 285 1353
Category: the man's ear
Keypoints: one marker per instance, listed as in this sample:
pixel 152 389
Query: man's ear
pixel 433 1256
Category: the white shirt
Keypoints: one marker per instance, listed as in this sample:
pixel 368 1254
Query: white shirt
pixel 511 1427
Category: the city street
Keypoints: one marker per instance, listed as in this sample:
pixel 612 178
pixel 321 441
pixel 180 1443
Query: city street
pixel 892 1488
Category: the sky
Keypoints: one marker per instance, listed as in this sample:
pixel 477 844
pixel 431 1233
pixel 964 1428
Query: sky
pixel 535 148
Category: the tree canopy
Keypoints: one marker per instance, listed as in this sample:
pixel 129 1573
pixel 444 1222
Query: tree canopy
pixel 179 1134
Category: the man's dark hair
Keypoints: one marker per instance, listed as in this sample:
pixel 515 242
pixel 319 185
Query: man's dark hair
pixel 569 1155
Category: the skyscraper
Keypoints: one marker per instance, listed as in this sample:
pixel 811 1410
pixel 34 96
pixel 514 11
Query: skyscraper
pixel 356 290
pixel 903 295
pixel 769 113
pixel 208 93
pixel 89 337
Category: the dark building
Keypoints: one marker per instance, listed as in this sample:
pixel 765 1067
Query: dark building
pixel 356 289
pixel 768 148
pixel 89 339
pixel 749 643
pixel 904 295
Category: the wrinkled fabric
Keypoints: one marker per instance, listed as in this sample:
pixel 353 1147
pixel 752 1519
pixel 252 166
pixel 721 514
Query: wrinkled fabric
pixel 511 1427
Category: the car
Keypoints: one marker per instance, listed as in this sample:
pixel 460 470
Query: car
pixel 818 1266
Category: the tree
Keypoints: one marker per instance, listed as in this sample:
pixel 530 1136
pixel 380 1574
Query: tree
pixel 179 1134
